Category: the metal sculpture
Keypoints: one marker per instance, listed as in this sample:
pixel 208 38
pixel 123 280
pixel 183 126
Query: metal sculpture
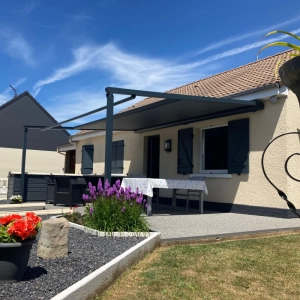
pixel 280 192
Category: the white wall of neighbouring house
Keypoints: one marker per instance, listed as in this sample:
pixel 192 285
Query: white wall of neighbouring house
pixel 37 161
pixel 248 189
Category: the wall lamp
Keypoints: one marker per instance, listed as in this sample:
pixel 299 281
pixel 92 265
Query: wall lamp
pixel 168 145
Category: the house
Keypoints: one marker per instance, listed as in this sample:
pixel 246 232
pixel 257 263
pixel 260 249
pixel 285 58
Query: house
pixel 41 155
pixel 224 145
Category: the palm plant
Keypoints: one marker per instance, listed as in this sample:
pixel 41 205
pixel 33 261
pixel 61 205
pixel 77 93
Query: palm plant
pixel 289 71
pixel 284 44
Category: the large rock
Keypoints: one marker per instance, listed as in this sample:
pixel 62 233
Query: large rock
pixel 53 240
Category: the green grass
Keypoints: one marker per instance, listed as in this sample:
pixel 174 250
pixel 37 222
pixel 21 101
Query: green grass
pixel 264 268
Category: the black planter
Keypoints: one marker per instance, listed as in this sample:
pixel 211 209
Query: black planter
pixel 14 258
pixel 290 75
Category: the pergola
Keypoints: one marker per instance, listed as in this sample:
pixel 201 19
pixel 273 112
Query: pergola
pixel 172 110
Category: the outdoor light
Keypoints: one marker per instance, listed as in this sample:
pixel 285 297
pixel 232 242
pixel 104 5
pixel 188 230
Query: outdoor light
pixel 168 145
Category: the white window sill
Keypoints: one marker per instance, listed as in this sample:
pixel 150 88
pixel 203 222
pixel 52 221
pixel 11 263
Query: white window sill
pixel 209 175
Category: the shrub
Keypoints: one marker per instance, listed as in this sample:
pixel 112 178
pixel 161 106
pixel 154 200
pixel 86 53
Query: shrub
pixel 115 209
pixel 16 199
pixel 73 216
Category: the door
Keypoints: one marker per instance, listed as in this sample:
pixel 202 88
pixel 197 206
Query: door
pixel 153 157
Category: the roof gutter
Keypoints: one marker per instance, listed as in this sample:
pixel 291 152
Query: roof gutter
pixel 263 92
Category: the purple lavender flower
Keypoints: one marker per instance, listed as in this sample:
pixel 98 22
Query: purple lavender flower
pixel 118 184
pixel 123 209
pixel 139 199
pixel 107 185
pixel 127 196
pixel 91 210
pixel 99 186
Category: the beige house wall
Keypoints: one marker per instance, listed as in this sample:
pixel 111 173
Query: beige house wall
pixel 249 189
pixel 36 161
pixel 133 152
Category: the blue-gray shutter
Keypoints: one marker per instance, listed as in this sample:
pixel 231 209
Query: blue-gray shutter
pixel 117 157
pixel 185 151
pixel 238 146
pixel 87 159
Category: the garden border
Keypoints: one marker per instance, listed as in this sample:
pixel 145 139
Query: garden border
pixel 98 281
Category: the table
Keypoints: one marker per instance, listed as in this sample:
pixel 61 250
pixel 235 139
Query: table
pixel 146 185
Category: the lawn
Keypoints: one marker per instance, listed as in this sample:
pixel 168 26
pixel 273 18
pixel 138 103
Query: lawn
pixel 262 268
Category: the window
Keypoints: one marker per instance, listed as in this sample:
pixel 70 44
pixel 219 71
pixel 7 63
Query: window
pixel 215 149
pixel 225 148
pixel 117 157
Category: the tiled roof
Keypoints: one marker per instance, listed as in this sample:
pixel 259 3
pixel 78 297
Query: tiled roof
pixel 241 80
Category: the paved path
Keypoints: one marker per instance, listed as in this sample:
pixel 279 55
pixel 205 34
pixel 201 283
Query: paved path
pixel 189 226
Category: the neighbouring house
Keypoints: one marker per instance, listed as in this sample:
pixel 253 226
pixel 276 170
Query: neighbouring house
pixel 213 144
pixel 41 155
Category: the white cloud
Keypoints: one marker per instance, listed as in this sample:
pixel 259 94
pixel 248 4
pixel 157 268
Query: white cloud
pixel 126 70
pixel 14 45
pixel 237 50
pixel 8 93
pixel 234 39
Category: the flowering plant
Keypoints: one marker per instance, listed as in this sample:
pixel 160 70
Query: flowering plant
pixel 15 228
pixel 113 208
pixel 16 199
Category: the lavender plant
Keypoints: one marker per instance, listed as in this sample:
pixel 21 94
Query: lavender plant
pixel 113 208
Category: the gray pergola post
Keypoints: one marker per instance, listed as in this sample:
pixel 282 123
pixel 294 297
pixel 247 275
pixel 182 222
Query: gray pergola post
pixel 108 137
pixel 23 164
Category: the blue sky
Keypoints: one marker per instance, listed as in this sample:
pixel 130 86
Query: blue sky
pixel 66 52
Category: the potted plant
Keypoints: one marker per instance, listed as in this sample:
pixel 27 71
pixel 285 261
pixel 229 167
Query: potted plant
pixel 290 70
pixel 17 235
pixel 15 199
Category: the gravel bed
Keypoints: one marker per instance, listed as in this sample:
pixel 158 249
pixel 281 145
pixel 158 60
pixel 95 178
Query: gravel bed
pixel 46 278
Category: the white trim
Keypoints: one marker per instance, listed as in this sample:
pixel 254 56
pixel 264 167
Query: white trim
pixel 207 175
pixel 265 94
pixel 66 148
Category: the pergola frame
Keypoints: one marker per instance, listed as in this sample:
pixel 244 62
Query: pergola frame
pixel 246 106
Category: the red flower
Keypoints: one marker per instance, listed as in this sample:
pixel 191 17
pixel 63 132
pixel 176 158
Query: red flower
pixel 22 228
pixel 33 218
pixel 8 219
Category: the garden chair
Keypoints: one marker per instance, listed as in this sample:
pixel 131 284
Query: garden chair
pixel 187 194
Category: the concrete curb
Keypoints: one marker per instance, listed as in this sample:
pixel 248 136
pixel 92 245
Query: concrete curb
pixel 38 212
pixel 22 206
pixel 101 279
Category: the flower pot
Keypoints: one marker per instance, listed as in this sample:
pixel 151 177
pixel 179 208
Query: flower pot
pixel 290 75
pixel 14 258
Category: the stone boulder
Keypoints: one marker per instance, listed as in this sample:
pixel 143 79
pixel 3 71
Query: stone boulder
pixel 53 242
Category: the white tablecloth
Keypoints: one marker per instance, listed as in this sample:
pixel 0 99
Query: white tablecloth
pixel 146 185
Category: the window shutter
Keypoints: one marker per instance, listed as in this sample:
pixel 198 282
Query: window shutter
pixel 117 157
pixel 87 159
pixel 238 146
pixel 185 151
